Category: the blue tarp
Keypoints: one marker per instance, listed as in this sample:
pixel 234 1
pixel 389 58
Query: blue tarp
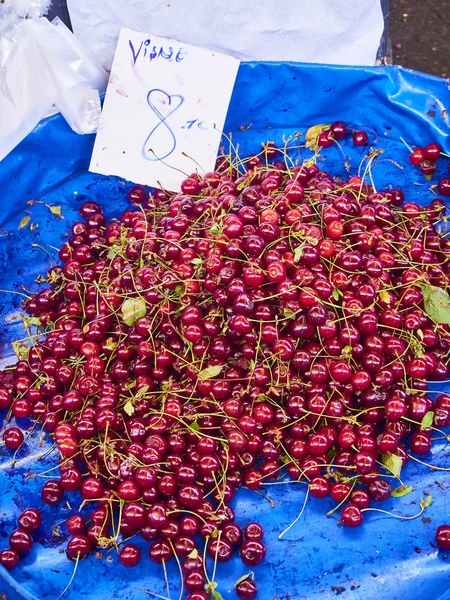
pixel 386 558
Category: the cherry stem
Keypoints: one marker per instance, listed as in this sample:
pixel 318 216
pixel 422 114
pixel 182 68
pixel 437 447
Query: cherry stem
pixel 77 560
pixel 386 512
pixel 432 467
pixel 297 518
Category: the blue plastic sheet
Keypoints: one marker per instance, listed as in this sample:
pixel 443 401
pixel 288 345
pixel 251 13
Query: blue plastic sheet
pixel 386 558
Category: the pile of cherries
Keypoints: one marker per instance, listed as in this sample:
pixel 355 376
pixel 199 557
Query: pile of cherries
pixel 262 323
pixel 426 159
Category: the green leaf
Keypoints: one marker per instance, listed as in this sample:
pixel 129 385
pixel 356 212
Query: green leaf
pixel 210 587
pixel 311 240
pixel 210 372
pixel 436 303
pixel 114 251
pixel 24 222
pixel 288 313
pixel 425 502
pixel 241 579
pixel 427 420
pixel 384 297
pixel 298 253
pixel 393 463
pixel 55 210
pixel 403 490
pixel 419 334
pixel 336 294
pixel 142 391
pixel 129 408
pixel 133 309
pixel 313 133
pixel 32 321
pixel 194 426
pixel 197 261
pixel 216 596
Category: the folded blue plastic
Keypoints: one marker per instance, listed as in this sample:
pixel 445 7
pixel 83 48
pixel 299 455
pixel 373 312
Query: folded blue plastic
pixel 386 558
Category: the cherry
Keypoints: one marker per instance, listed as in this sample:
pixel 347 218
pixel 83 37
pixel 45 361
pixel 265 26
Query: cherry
pixel 9 558
pixel 432 151
pixel 252 552
pixel 351 516
pixel 130 555
pixel 52 492
pixel 30 520
pixel 338 130
pixel 21 541
pixel 78 546
pixel 194 580
pixel 417 156
pixel 442 537
pixel 253 531
pixel 319 487
pixel 13 438
pixel 420 443
pixel 360 138
pixel 247 589
pixel 443 186
pixel 160 551
pixel 76 525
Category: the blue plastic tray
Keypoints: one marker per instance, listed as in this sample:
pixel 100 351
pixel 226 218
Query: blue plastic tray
pixel 386 558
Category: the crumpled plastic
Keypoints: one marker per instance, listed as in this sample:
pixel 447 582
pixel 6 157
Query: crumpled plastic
pixel 386 558
pixel 330 31
pixel 43 65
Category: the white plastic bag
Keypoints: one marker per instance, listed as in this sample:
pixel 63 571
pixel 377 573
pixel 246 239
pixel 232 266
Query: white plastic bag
pixel 320 31
pixel 42 65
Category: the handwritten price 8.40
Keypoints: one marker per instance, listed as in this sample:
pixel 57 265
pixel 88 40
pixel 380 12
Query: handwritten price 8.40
pixel 162 141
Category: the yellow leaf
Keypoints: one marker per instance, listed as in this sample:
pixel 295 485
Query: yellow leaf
pixel 55 210
pixel 193 554
pixel 24 222
pixel 133 309
pixel 129 408
pixel 313 133
pixel 384 296
pixel 210 372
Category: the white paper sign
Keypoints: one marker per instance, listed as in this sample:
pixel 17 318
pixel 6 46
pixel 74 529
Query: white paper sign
pixel 164 110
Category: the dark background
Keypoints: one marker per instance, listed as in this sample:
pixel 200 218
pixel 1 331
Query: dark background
pixel 420 35
pixel 419 32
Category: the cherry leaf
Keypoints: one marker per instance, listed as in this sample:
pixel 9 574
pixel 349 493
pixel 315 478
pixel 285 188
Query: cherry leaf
pixel 24 222
pixel 425 502
pixel 427 420
pixel 133 309
pixel 210 372
pixel 436 303
pixel 313 133
pixel 142 391
pixel 129 408
pixel 298 253
pixel 216 596
pixel 393 463
pixel 241 579
pixel 193 554
pixel 336 294
pixel 403 490
pixel 55 210
pixel 288 313
pixel 384 296
pixel 194 426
